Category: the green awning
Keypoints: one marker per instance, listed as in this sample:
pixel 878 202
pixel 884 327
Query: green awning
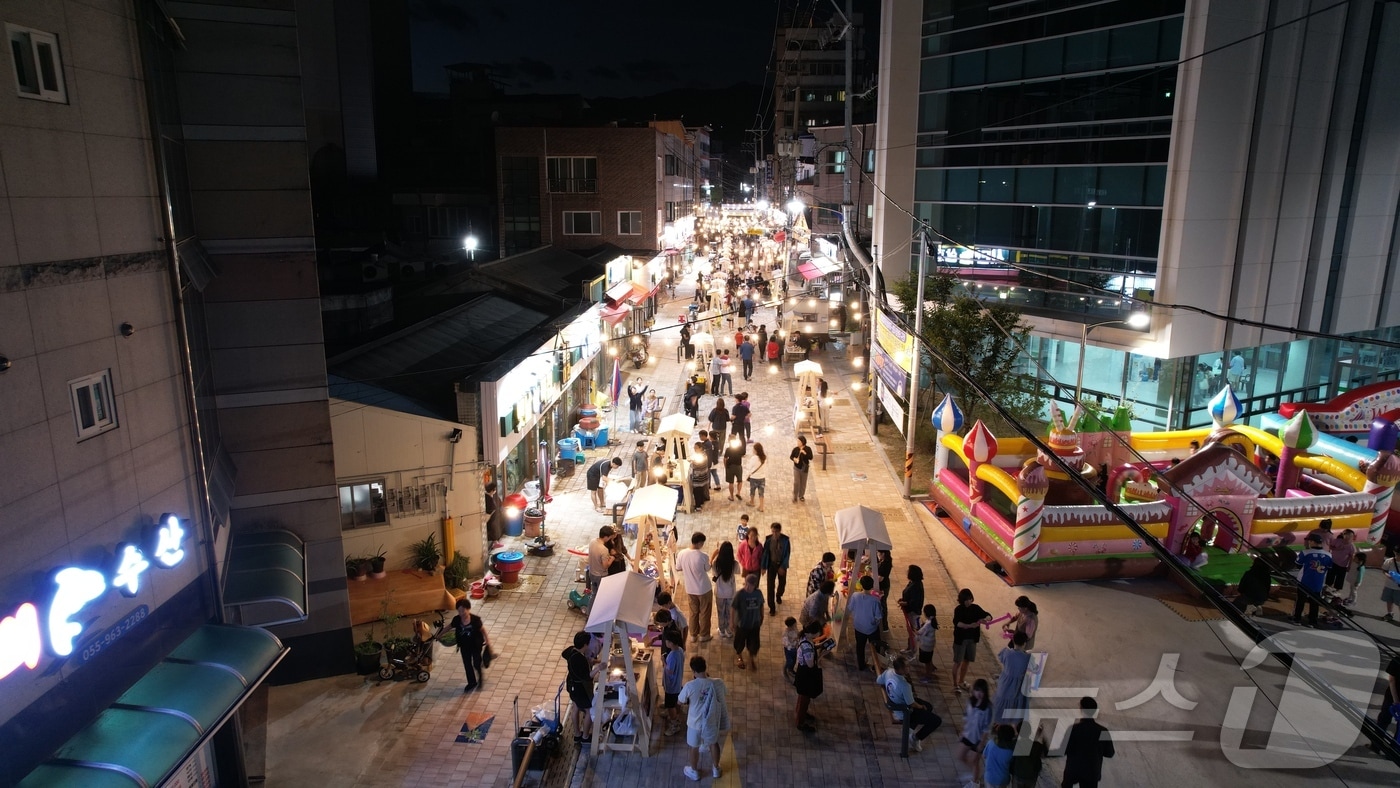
pixel 265 582
pixel 166 715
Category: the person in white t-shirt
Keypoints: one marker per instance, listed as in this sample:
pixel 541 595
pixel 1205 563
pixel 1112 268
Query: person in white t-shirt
pixel 695 568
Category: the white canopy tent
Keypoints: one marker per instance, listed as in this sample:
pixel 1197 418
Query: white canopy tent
pixel 704 344
pixel 653 506
pixel 621 609
pixel 676 430
pixel 862 529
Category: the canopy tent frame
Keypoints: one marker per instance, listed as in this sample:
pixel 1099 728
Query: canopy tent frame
pixel 621 609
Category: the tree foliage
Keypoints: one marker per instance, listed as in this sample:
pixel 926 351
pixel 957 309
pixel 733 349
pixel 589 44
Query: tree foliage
pixel 966 331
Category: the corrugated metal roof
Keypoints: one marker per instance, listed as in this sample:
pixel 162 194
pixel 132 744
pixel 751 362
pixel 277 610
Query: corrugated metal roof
pixel 422 361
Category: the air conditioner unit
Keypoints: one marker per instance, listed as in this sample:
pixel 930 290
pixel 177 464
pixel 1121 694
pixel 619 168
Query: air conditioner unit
pixel 374 272
pixel 412 270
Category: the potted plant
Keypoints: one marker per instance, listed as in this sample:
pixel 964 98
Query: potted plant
pixel 368 654
pixel 356 567
pixel 376 564
pixel 426 555
pixel 456 573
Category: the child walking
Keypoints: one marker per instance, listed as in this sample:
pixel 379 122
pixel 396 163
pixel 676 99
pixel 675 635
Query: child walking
pixel 926 635
pixel 791 637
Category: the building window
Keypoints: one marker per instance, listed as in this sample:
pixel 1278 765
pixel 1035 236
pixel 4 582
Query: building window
pixel 673 164
pixel 38 67
pixel 869 161
pixel 629 222
pixel 93 413
pixel 362 504
pixel 572 174
pixel 520 204
pixel 838 161
pixel 583 222
pixel 448 221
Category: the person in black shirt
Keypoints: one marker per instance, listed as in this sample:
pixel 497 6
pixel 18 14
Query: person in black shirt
pixel 579 684
pixel 801 461
pixel 1088 745
pixel 471 640
pixel 968 619
pixel 1390 698
pixel 594 479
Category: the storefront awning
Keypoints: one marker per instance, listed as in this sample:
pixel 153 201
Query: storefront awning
pixel 817 266
pixel 640 293
pixel 612 315
pixel 618 293
pixel 265 583
pixel 167 715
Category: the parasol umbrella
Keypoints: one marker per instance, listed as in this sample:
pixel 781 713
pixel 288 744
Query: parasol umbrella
pixel 861 528
pixel 655 501
pixel 805 367
pixel 676 425
pixel 623 600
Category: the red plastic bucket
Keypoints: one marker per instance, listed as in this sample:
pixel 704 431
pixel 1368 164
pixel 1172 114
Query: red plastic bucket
pixel 508 566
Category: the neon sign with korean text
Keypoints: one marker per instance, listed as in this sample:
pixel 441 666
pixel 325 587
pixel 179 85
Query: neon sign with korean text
pixel 25 632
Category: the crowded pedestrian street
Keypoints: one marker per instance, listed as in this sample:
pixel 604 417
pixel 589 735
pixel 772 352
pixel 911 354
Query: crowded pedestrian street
pixel 1149 666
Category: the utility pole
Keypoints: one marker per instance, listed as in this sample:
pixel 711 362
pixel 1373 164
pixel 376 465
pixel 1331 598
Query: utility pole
pixel 846 181
pixel 915 365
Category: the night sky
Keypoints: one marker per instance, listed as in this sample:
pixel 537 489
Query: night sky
pixel 595 47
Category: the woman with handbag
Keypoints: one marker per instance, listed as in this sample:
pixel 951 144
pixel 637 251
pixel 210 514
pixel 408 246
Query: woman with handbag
pixel 809 675
pixel 472 643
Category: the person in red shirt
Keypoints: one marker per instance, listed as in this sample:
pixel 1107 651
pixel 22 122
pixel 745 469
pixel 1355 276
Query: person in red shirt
pixel 775 355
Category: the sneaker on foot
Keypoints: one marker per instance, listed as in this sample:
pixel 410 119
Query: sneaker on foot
pixel 715 772
pixel 915 744
pixel 691 773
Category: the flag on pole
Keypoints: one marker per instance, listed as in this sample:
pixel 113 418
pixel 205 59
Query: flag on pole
pixel 616 382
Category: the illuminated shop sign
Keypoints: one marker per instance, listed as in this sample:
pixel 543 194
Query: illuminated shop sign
pixel 59 624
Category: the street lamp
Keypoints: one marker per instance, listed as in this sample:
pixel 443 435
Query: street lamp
pixel 1138 319
pixel 469 243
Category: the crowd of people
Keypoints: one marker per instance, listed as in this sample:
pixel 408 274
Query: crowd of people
pixel 727 588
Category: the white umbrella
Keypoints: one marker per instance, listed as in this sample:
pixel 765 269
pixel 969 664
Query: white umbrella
pixel 861 528
pixel 805 367
pixel 656 501
pixel 676 425
pixel 623 599
pixel 703 342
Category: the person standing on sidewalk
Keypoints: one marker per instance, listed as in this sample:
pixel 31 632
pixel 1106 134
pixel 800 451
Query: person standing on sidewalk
pixel 801 461
pixel 719 422
pixel 579 684
pixel 748 621
pixel 672 680
pixel 968 619
pixel 821 573
pixel 777 553
pixel 695 568
pixel 864 610
pixel 707 718
pixel 817 606
pixel 884 566
pixel 911 602
pixel 758 464
pixel 763 342
pixel 641 463
pixel 714 374
pixel 750 553
pixel 808 679
pixel 775 353
pixel 712 457
pixel 726 373
pixel 734 467
pixel 746 351
pixel 725 573
pixel 1089 743
pixel 636 392
pixel 1315 562
pixel 739 417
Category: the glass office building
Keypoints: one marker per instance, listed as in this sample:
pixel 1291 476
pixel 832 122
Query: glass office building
pixel 1084 159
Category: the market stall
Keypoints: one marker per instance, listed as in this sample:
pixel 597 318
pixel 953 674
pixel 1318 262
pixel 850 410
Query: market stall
pixel 863 530
pixel 810 411
pixel 653 510
pixel 676 430
pixel 625 695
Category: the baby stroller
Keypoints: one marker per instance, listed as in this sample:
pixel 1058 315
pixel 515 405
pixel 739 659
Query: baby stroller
pixel 415 659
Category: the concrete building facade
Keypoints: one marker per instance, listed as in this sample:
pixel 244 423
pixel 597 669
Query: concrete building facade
pixel 581 187
pixel 1088 160
pixel 166 427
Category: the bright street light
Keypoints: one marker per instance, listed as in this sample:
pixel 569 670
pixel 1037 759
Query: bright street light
pixel 795 206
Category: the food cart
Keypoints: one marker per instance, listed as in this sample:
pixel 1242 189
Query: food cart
pixel 626 684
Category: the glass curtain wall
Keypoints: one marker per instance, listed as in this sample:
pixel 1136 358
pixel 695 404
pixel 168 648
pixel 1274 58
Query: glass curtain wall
pixel 1174 393
pixel 1043 138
